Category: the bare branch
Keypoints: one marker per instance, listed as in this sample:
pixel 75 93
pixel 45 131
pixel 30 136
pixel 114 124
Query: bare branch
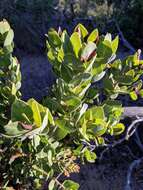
pixel 133 112
pixel 130 131
pixel 132 128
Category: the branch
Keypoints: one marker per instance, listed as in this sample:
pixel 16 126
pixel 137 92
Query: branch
pixel 133 112
pixel 132 128
pixel 130 131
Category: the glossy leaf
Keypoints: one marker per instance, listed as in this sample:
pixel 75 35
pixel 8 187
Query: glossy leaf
pixel 133 95
pixel 9 38
pixel 19 109
pixel 89 51
pixel 90 156
pixel 118 129
pixel 14 129
pixel 67 45
pixel 53 38
pixel 51 184
pixel 4 27
pixel 93 36
pixel 76 43
pixel 81 29
pixel 36 113
pixel 115 43
pixel 141 93
pixel 66 72
pixel 70 185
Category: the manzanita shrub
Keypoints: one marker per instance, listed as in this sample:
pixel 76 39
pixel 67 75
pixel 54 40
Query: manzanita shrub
pixel 89 79
pixel 43 142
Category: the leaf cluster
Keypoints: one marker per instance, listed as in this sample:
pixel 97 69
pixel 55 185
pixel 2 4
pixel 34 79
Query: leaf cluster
pixel 10 76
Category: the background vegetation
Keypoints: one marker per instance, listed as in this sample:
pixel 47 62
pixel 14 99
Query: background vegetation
pixel 33 18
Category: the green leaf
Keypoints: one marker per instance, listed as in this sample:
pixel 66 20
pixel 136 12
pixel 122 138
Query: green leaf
pixel 133 95
pixel 9 38
pixel 99 76
pixel 108 37
pixel 81 29
pixel 131 73
pixel 76 43
pixel 40 112
pixel 72 101
pixel 101 141
pixel 65 125
pixel 50 117
pixel 14 129
pixel 90 156
pixel 92 93
pixel 118 129
pixel 36 141
pixel 98 112
pixel 71 60
pixel 141 93
pixel 98 128
pixel 60 134
pixel 13 90
pixel 53 105
pixel 83 129
pixel 115 43
pixel 93 36
pixel 4 27
pixel 53 38
pixel 125 79
pixel 50 160
pixel 67 45
pixel 95 112
pixel 88 51
pixel 51 185
pixel 70 185
pixel 66 72
pixel 113 110
pixel 104 50
pixel 36 113
pixel 42 154
pixel 19 109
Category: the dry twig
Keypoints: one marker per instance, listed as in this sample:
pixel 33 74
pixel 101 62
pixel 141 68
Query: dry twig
pixel 130 131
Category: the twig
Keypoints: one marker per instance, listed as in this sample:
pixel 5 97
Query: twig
pixel 133 112
pixel 132 128
pixel 60 174
pixel 130 131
